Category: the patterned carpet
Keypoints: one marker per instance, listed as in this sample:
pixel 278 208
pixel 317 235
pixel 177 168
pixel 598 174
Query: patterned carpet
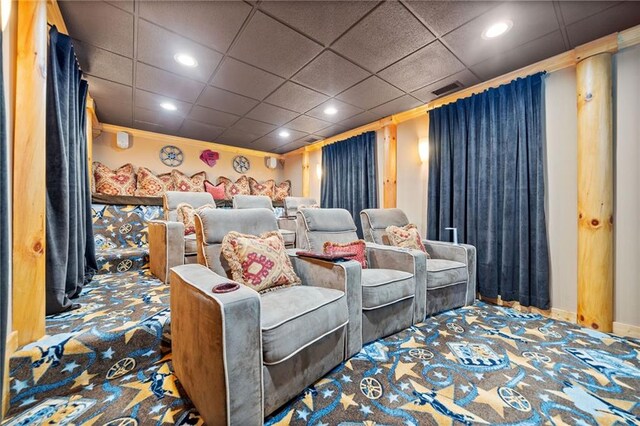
pixel 109 363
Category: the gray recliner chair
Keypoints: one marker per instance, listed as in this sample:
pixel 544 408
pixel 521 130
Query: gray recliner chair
pixel 291 206
pixel 451 270
pixel 241 355
pixel 393 286
pixel 264 202
pixel 168 246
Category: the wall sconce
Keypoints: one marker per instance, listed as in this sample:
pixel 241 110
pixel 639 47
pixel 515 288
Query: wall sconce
pixel 319 171
pixel 5 12
pixel 423 149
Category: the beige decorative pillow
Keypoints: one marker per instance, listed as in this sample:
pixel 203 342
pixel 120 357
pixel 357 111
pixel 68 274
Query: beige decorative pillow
pixel 184 183
pixel 121 181
pixel 282 190
pixel 231 189
pixel 407 236
pixel 260 263
pixel 265 188
pixel 151 185
pixel 186 215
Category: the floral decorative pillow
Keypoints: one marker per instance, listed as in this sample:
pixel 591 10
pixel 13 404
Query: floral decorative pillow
pixel 406 236
pixel 231 189
pixel 184 183
pixel 260 263
pixel 114 182
pixel 264 188
pixel 281 191
pixel 358 248
pixel 150 185
pixel 216 191
pixel 186 215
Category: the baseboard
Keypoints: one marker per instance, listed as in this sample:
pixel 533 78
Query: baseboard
pixel 11 348
pixel 563 315
pixel 626 330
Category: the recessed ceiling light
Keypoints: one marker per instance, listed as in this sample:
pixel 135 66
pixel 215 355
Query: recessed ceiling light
pixel 330 110
pixel 168 106
pixel 186 60
pixel 497 29
pixel 284 134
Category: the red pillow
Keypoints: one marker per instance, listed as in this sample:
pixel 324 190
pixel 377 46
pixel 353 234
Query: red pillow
pixel 358 247
pixel 216 191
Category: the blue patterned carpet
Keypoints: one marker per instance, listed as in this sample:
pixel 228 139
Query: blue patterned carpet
pixel 109 363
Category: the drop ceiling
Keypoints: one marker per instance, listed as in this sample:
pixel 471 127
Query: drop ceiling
pixel 268 66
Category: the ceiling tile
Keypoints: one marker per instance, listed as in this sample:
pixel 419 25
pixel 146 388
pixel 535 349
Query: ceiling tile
pixel 324 21
pixel 332 131
pixel 290 147
pixel 212 116
pixel 307 124
pixel 344 111
pixel 530 21
pixel 466 77
pixel 126 5
pixel 369 93
pixel 295 97
pixel 444 16
pixel 397 105
pixel 330 74
pixel 200 131
pixel 269 45
pixel 225 101
pixel 104 64
pixel 100 24
pixel 360 120
pixel 167 84
pixel 534 51
pixel 237 137
pixel 111 111
pixel 105 89
pixel 573 11
pixel 151 101
pixel 163 119
pixel 157 47
pixel 272 140
pixel 616 18
pixel 246 80
pixel 385 35
pixel 272 114
pixel 213 23
pixel 254 127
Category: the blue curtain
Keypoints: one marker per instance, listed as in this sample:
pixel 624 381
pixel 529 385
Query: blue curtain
pixel 486 178
pixel 70 248
pixel 5 230
pixel 349 175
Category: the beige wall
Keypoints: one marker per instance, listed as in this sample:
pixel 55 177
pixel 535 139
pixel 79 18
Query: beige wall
pixel 315 161
pixel 293 171
pixel 145 152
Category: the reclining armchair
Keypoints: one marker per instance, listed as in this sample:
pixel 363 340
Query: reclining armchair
pixel 264 202
pixel 241 355
pixel 451 270
pixel 291 206
pixel 168 246
pixel 393 285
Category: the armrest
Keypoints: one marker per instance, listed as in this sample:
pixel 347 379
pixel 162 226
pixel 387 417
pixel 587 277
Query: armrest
pixel 344 276
pixel 217 349
pixel 463 253
pixel 166 247
pixel 287 223
pixel 407 260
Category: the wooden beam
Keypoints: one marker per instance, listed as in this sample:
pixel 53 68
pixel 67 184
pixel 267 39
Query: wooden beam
pixel 54 16
pixel 11 347
pixel 595 192
pixel 306 174
pixel 390 171
pixel 29 171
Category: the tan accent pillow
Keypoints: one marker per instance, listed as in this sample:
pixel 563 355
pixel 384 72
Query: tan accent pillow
pixel 282 190
pixel 406 236
pixel 186 214
pixel 151 185
pixel 184 183
pixel 231 189
pixel 260 263
pixel 264 188
pixel 115 182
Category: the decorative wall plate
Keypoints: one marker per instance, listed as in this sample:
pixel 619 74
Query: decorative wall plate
pixel 241 164
pixel 171 156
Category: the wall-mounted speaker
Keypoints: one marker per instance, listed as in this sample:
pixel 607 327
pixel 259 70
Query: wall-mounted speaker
pixel 271 162
pixel 123 140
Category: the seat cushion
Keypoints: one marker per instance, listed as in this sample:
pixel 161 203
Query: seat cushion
pixel 443 273
pixel 295 317
pixel 190 244
pixel 289 237
pixel 382 287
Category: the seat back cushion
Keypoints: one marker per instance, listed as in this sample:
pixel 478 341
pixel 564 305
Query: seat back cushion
pixel 375 222
pixel 292 204
pixel 172 199
pixel 318 226
pixel 252 202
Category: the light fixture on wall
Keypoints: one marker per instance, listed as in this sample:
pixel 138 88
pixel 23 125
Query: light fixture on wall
pixel 319 171
pixel 423 149
pixel 5 11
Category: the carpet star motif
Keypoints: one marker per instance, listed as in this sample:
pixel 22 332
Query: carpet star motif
pixel 492 399
pixel 347 400
pixel 83 379
pixel 161 384
pixel 19 385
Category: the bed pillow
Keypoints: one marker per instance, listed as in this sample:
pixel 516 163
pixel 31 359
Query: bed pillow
pixel 151 185
pixel 265 188
pixel 216 191
pixel 358 247
pixel 186 215
pixel 260 263
pixel 281 191
pixel 184 183
pixel 231 189
pixel 115 182
pixel 406 236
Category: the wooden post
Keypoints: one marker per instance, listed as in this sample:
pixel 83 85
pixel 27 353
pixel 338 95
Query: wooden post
pixel 89 129
pixel 390 141
pixel 595 192
pixel 306 174
pixel 29 174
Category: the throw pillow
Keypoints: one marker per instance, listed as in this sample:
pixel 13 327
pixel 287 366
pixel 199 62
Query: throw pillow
pixel 406 236
pixel 186 215
pixel 282 190
pixel 264 188
pixel 358 247
pixel 260 263
pixel 150 185
pixel 231 189
pixel 184 183
pixel 115 182
pixel 216 191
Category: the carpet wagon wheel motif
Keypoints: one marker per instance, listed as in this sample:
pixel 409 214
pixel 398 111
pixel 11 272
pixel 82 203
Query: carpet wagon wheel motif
pixel 122 421
pixel 456 328
pixel 536 356
pixel 125 229
pixel 371 388
pixel 171 156
pixel 241 164
pixel 549 333
pixel 514 399
pixel 121 368
pixel 421 353
pixel 125 265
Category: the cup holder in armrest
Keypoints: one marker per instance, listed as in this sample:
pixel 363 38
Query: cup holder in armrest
pixel 225 288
